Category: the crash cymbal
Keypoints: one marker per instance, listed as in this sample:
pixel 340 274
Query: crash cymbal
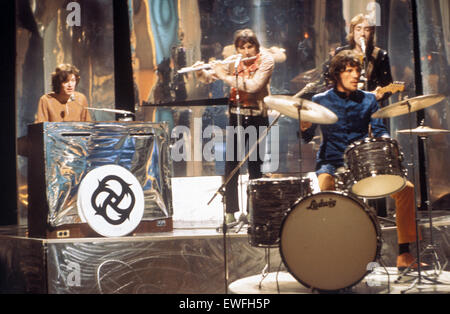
pixel 423 131
pixel 310 112
pixel 408 105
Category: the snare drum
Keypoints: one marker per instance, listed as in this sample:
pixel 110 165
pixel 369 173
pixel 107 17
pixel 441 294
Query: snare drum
pixel 375 166
pixel 328 240
pixel 268 201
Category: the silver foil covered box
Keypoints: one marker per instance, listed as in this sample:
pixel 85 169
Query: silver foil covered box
pixel 62 153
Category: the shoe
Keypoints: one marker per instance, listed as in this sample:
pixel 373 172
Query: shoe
pixel 229 218
pixel 406 260
pixel 243 218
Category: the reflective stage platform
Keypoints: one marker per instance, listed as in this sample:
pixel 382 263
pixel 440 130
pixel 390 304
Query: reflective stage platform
pixel 184 261
pixel 380 281
pixel 190 259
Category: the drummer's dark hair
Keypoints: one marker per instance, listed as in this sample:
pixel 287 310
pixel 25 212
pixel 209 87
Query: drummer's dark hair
pixel 340 62
pixel 246 35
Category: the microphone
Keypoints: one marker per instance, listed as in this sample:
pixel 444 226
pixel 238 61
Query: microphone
pixel 237 61
pixel 72 97
pixel 363 44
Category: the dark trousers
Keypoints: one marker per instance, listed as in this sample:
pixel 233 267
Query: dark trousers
pixel 254 164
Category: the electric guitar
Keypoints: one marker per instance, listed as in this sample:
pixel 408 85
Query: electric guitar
pixel 391 88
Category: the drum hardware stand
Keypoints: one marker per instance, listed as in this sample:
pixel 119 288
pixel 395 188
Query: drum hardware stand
pixel 412 155
pixel 300 158
pixel 266 270
pixel 366 201
pixel 387 220
pixel 418 280
pixel 431 247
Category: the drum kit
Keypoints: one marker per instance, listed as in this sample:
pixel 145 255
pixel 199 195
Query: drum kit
pixel 327 240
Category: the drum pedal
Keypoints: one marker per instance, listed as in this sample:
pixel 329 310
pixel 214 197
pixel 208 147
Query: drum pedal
pixel 387 220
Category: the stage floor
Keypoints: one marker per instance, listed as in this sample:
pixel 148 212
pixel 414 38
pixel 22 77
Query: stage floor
pixel 380 281
pixel 194 258
pixel 188 260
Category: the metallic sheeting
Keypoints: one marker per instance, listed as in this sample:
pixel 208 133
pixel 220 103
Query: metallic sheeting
pixel 73 149
pixel 174 265
pixel 47 36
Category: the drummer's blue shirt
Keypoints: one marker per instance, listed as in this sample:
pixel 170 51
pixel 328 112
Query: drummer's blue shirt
pixel 354 114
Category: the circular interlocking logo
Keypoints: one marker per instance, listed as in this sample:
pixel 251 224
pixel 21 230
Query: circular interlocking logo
pixel 111 201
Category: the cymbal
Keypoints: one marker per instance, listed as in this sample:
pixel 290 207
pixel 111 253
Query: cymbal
pixel 423 131
pixel 415 104
pixel 310 112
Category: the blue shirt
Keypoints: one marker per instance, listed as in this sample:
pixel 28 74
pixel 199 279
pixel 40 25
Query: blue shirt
pixel 354 116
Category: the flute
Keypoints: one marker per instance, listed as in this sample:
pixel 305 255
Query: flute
pixel 208 66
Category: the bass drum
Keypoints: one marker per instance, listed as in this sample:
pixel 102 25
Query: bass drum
pixel 328 241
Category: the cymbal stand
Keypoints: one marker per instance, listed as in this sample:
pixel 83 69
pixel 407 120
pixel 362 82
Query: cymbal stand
pixel 300 157
pixel 300 160
pixel 412 156
pixel 430 247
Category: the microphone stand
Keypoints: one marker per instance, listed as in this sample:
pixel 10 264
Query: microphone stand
pixel 364 61
pixel 222 188
pixel 221 191
pixel 240 140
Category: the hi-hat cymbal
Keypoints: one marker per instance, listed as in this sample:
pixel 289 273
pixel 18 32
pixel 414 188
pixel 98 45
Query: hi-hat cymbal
pixel 423 131
pixel 310 111
pixel 408 105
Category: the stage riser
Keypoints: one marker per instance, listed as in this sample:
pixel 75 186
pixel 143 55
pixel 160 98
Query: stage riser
pixel 166 266
pixel 135 265
pixel 22 266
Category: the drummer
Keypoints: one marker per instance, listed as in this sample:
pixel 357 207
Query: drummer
pixel 354 109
